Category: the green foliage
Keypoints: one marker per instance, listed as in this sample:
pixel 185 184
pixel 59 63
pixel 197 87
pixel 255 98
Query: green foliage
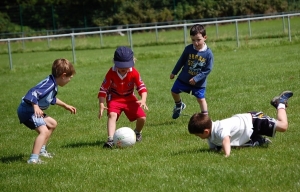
pixel 62 14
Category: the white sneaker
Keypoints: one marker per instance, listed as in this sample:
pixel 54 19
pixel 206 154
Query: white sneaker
pixel 35 161
pixel 46 154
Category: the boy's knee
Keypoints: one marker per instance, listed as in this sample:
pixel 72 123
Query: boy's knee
pixel 142 119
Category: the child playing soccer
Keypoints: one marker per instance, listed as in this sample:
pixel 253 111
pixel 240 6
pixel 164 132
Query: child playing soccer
pixel 31 110
pixel 118 91
pixel 241 129
pixel 195 63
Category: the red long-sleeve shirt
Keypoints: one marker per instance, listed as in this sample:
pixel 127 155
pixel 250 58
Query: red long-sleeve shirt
pixel 118 88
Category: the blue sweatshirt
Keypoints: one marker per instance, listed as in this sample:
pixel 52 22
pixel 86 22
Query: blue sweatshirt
pixel 194 64
pixel 43 94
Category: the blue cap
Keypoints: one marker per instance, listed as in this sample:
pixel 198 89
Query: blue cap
pixel 123 57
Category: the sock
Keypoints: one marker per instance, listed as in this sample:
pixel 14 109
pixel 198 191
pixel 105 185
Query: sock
pixel 204 112
pixel 178 104
pixel 281 106
pixel 110 138
pixel 34 156
pixel 136 132
pixel 43 149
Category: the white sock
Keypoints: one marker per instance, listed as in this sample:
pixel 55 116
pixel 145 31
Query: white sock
pixel 281 106
pixel 110 138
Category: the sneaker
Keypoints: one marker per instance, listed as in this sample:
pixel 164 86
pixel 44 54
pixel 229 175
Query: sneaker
pixel 282 98
pixel 138 137
pixel 108 144
pixel 177 111
pixel 46 154
pixel 35 161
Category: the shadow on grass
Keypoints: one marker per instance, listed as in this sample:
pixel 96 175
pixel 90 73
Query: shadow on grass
pixel 84 144
pixel 165 123
pixel 192 151
pixel 12 158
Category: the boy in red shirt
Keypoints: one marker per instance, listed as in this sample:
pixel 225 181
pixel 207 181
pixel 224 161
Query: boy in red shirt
pixel 118 91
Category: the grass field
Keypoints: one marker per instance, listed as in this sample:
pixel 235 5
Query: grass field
pixel 168 158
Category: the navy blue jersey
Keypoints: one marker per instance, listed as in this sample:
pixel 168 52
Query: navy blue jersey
pixel 43 94
pixel 194 64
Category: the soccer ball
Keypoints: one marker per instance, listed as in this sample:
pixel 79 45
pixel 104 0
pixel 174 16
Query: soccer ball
pixel 124 137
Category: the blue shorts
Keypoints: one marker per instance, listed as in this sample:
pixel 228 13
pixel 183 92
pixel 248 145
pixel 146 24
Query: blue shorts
pixel 179 86
pixel 27 117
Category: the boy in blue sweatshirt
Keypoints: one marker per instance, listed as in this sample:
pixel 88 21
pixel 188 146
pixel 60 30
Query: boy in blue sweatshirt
pixel 195 63
pixel 39 98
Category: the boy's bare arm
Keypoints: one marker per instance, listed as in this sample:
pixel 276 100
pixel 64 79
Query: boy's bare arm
pixel 226 146
pixel 66 106
pixel 102 107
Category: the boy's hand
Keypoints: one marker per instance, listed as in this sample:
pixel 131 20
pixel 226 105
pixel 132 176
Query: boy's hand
pixel 102 108
pixel 172 76
pixel 142 104
pixel 37 111
pixel 71 109
pixel 192 81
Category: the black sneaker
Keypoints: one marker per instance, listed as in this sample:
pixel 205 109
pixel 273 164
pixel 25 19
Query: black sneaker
pixel 138 137
pixel 108 144
pixel 282 98
pixel 177 110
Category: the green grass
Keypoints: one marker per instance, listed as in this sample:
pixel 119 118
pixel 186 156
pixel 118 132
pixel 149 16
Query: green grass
pixel 168 158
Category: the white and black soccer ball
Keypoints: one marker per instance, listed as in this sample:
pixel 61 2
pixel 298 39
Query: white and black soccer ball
pixel 124 137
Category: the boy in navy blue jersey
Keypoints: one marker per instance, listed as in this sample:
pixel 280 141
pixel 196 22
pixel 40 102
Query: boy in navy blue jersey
pixel 195 63
pixel 31 110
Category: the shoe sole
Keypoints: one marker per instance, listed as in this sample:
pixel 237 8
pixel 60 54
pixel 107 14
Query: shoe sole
pixel 273 101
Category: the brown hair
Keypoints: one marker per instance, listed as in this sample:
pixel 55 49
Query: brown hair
pixel 198 122
pixel 61 66
pixel 197 29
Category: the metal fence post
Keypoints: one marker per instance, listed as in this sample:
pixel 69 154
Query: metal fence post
pixel 249 28
pixel 290 33
pixel 9 54
pixel 130 37
pixel 185 33
pixel 101 40
pixel 156 33
pixel 237 33
pixel 48 40
pixel 73 48
pixel 217 29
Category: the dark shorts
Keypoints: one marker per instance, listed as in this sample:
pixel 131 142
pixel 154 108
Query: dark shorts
pixel 179 86
pixel 27 117
pixel 263 124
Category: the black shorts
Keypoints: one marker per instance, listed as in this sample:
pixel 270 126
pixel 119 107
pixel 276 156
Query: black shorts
pixel 263 124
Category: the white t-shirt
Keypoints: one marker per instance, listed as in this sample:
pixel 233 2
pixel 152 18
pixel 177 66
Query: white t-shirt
pixel 238 128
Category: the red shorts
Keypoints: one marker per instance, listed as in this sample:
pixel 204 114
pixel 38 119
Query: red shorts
pixel 131 109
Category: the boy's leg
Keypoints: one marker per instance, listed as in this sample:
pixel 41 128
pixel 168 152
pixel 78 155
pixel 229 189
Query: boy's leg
pixel 203 105
pixel 111 124
pixel 199 93
pixel 111 128
pixel 177 88
pixel 40 139
pixel 140 122
pixel 134 112
pixel 280 103
pixel 51 125
pixel 179 105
